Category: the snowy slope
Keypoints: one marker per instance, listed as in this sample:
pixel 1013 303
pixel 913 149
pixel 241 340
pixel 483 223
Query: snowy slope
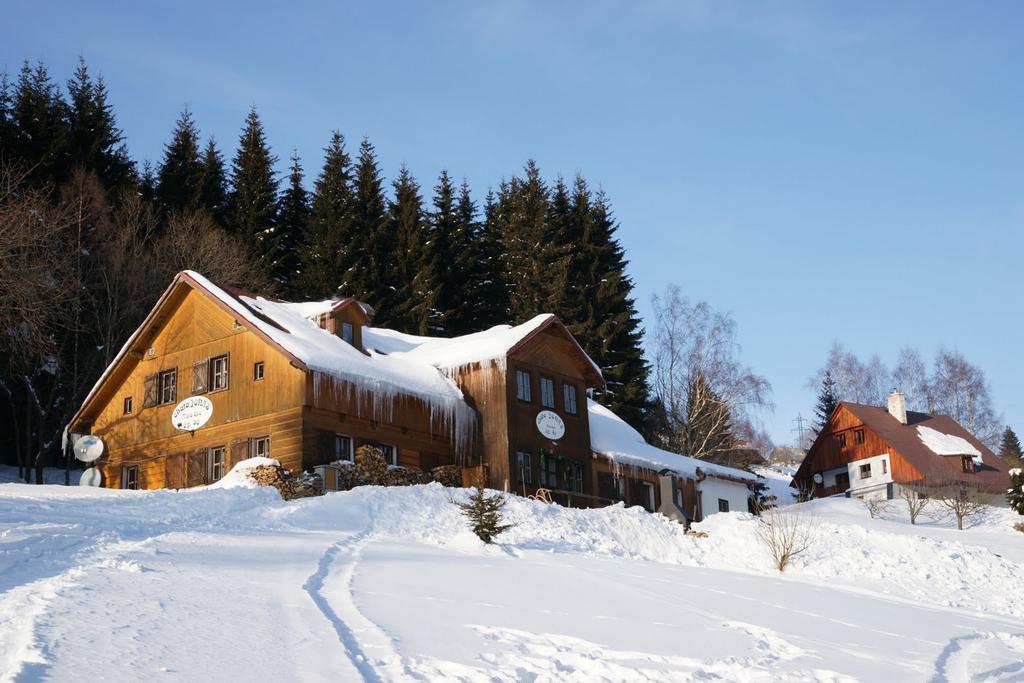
pixel 387 584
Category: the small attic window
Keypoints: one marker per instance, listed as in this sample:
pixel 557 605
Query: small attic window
pixel 348 332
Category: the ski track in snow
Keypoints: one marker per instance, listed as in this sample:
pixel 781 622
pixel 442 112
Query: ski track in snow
pixel 387 585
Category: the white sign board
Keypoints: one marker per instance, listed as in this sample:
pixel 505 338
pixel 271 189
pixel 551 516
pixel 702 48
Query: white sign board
pixel 550 425
pixel 88 448
pixel 192 413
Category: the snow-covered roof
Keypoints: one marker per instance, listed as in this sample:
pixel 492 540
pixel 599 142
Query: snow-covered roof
pixel 946 444
pixel 449 353
pixel 613 438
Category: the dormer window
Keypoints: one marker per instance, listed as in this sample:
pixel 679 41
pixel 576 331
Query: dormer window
pixel 967 462
pixel 348 332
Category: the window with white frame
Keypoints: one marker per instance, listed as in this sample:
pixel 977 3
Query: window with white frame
pixel 343 447
pixel 569 398
pixel 547 392
pixel 219 373
pixel 259 447
pixel 257 370
pixel 130 477
pixel 523 385
pixel 215 463
pixel 524 467
pixel 576 477
pixel 168 385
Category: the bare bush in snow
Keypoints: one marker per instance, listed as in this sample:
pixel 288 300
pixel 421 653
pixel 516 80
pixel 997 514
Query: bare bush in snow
pixel 785 532
pixel 876 506
pixel 916 502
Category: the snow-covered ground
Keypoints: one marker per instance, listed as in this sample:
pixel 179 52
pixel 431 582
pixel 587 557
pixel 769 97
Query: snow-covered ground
pixel 388 584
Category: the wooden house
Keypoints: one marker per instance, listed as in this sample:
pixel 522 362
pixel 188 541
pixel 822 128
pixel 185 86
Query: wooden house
pixel 308 383
pixel 869 452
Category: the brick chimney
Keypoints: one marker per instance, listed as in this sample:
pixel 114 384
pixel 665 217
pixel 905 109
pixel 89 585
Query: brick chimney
pixel 898 406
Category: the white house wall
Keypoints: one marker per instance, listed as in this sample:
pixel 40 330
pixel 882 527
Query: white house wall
pixel 875 485
pixel 712 489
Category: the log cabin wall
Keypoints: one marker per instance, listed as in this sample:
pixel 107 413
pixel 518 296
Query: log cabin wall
pixel 485 387
pixel 196 331
pixel 549 355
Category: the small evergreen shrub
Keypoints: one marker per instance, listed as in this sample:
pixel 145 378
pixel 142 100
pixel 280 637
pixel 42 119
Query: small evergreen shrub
pixel 1015 494
pixel 484 514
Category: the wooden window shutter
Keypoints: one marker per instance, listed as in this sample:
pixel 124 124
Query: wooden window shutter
pixel 201 376
pixel 324 446
pixel 174 471
pixel 150 394
pixel 197 467
pixel 239 452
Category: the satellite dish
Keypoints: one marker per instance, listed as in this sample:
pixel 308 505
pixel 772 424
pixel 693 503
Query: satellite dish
pixel 818 478
pixel 91 477
pixel 89 448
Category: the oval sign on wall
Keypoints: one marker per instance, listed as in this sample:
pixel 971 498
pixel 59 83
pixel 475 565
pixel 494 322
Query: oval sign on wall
pixel 550 425
pixel 192 413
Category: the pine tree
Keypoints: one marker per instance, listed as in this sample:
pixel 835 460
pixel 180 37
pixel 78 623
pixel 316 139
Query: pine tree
pixel 293 221
pixel 443 223
pixel 96 143
pixel 407 307
pixel 827 402
pixel 6 124
pixel 366 255
pixel 530 254
pixel 252 208
pixel 490 292
pixel 329 233
pixel 1010 448
pixel 468 265
pixel 213 192
pixel 147 183
pixel 179 179
pixel 1015 492
pixel 484 514
pixel 39 117
pixel 614 338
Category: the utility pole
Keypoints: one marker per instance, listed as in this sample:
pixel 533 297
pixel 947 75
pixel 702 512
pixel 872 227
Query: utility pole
pixel 799 430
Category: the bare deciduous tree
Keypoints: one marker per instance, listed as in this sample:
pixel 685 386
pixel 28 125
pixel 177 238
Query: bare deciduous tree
pixel 916 502
pixel 785 532
pixel 703 388
pixel 961 500
pixel 192 241
pixel 959 389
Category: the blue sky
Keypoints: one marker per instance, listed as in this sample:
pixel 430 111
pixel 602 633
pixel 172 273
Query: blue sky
pixel 824 171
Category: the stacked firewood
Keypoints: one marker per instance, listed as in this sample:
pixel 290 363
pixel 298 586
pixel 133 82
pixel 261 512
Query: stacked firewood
pixel 288 486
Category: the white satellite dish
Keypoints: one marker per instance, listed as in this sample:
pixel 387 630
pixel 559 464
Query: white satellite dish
pixel 192 413
pixel 89 448
pixel 818 478
pixel 91 477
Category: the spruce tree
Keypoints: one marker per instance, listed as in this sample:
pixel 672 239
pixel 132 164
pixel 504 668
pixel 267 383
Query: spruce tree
pixel 329 232
pixel 252 207
pixel 96 143
pixel 468 267
pixel 530 253
pixel 484 514
pixel 1015 492
pixel 366 254
pixel 616 339
pixel 39 117
pixel 827 402
pixel 293 220
pixel 6 124
pixel 213 192
pixel 179 179
pixel 1009 447
pixel 443 223
pixel 147 183
pixel 407 307
pixel 490 294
